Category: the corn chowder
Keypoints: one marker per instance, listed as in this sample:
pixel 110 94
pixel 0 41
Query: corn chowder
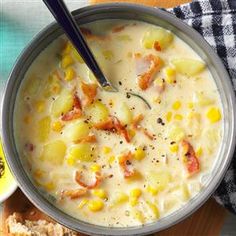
pixel 126 158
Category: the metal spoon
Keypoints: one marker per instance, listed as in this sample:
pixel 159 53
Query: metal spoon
pixel 68 24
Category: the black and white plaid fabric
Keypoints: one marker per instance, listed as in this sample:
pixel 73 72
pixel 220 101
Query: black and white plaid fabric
pixel 215 20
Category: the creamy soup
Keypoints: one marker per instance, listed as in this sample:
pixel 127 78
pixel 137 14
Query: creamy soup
pixel 126 158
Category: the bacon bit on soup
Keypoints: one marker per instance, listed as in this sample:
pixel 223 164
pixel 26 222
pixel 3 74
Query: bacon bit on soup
pixel 145 78
pixel 90 92
pixel 190 158
pixel 96 183
pixel 124 162
pixel 87 139
pixel 29 147
pixel 89 35
pixel 74 193
pixel 157 46
pixel 119 28
pixel 113 124
pixel 136 125
pixel 76 112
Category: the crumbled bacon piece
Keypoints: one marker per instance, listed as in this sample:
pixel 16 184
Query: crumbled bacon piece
pixel 113 124
pixel 136 125
pixel 119 28
pixel 192 162
pixel 87 139
pixel 145 79
pixel 96 183
pixel 157 46
pixel 74 193
pixel 124 162
pixel 76 112
pixel 90 92
pixel 29 147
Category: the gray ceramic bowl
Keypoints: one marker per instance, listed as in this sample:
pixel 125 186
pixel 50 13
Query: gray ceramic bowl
pixel 133 12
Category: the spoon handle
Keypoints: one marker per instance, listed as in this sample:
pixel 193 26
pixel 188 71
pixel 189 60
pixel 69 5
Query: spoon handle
pixel 65 19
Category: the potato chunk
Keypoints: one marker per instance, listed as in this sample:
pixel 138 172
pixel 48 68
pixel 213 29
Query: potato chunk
pixel 160 35
pixel 158 179
pixel 189 67
pixel 77 131
pixel 124 114
pixel 63 103
pixel 43 128
pixel 54 152
pixel 97 112
pixel 81 152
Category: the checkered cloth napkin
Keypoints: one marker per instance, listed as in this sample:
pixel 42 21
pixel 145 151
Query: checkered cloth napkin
pixel 215 20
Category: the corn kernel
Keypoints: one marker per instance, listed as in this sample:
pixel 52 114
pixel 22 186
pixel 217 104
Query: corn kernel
pixel 111 159
pixel 138 215
pixel 139 154
pixel 157 100
pixel 99 193
pixel 49 186
pixel 152 190
pixel 176 133
pixel 174 147
pixel 27 119
pixel 168 116
pixel 190 105
pixel 194 115
pixel 178 117
pixel 67 60
pixel 131 133
pixel 106 150
pixel 136 193
pixel 154 209
pixel 38 173
pixel 176 105
pixel 39 106
pixel 69 74
pixel 82 203
pixel 108 54
pixel 95 168
pixel 213 115
pixel 70 160
pixel 133 201
pixel 121 198
pixel 199 152
pixel 170 75
pixel 95 205
pixel 57 126
pixel 67 49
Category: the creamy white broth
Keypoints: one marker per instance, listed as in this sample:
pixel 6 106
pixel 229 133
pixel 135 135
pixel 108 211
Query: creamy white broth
pixel 196 117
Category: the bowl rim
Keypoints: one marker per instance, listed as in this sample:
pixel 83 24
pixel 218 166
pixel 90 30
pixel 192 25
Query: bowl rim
pixel 84 227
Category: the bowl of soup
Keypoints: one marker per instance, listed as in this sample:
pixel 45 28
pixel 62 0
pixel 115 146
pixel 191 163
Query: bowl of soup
pixel 130 162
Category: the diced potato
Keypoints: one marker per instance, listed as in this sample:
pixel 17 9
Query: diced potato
pixel 54 152
pixel 76 131
pixel 124 114
pixel 170 202
pixel 97 112
pixel 138 215
pixel 182 192
pixel 175 133
pixel 82 152
pixel 202 100
pixel 211 139
pixel 153 207
pixel 63 103
pixel 189 67
pixel 43 128
pixel 124 37
pixel 193 122
pixel 108 54
pixel 160 35
pixel 32 86
pixel 52 86
pixel 120 198
pixel 158 179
